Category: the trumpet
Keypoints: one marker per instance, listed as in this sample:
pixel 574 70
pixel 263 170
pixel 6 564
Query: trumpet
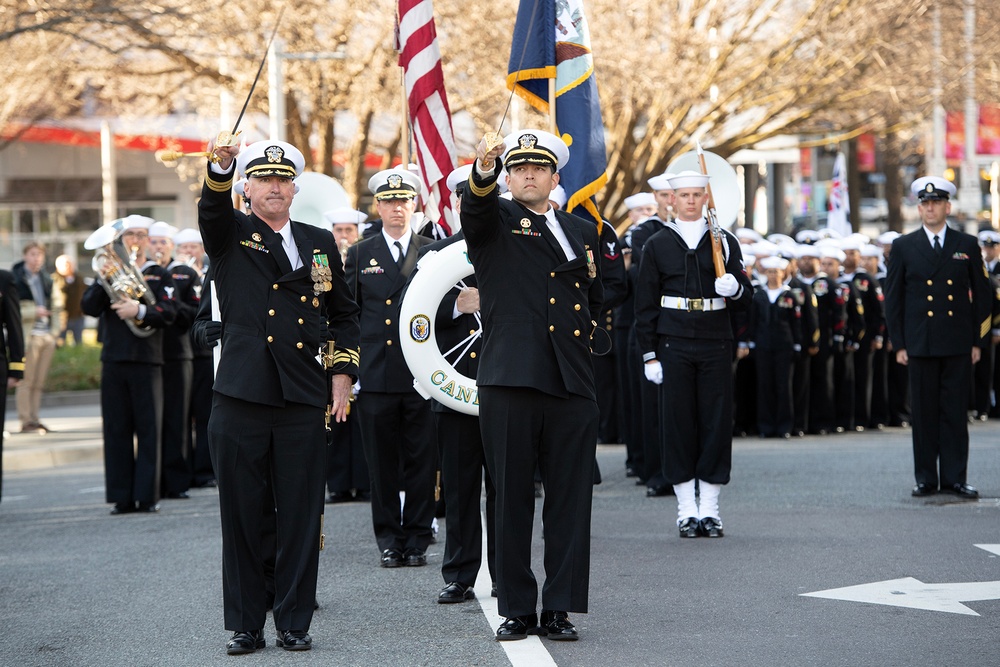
pixel 117 273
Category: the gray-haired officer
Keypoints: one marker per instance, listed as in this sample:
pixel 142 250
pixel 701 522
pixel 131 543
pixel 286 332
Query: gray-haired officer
pixel 938 332
pixel 280 287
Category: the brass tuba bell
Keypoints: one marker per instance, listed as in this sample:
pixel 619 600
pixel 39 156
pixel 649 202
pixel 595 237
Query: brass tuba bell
pixel 117 273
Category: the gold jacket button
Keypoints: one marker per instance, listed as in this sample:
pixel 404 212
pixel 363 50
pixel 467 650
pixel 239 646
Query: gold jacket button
pixel 298 345
pixel 274 286
pixel 930 298
pixel 950 313
pixel 388 322
pixel 271 312
pixel 576 307
pixel 576 284
pixel 930 282
pixel 576 332
pixel 388 302
pixel 270 339
pixel 472 355
pixel 302 298
pixel 552 275
pixel 950 282
pixel 472 332
pixel 930 313
pixel 951 298
pixel 551 328
pixel 552 299
pixel 301 321
pixel 388 342
pixel 608 327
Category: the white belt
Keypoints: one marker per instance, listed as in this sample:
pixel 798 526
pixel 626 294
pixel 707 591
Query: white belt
pixel 680 303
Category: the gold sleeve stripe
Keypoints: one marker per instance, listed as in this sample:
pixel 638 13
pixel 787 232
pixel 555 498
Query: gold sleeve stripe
pixel 816 336
pixel 478 191
pixel 984 328
pixel 16 366
pixel 996 321
pixel 219 186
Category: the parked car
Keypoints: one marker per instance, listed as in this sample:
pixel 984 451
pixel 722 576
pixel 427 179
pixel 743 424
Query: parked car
pixel 873 210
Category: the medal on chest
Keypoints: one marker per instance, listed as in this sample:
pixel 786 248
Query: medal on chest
pixel 320 274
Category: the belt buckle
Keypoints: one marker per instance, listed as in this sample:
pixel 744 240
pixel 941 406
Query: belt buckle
pixel 696 304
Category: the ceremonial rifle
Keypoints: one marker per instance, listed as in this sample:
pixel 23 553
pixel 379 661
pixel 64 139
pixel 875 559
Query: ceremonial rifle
pixel 714 229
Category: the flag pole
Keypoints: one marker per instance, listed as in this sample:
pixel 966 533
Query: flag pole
pixel 552 107
pixel 405 127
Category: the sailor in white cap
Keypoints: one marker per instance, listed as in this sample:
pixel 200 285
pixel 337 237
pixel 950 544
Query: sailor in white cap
pixel 684 330
pixel 885 240
pixel 131 365
pixel 282 296
pixel 832 259
pixel 533 261
pixel 986 377
pixel 395 421
pixel 939 332
pixel 831 318
pixel 868 293
pixel 190 249
pixel 808 324
pixel 644 413
pixel 345 223
pixel 748 235
pixel 640 206
pixel 775 335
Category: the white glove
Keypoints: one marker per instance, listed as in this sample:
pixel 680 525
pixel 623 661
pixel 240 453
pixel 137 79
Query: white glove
pixel 727 285
pixel 654 371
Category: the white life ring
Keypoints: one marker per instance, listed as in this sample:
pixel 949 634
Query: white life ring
pixel 433 375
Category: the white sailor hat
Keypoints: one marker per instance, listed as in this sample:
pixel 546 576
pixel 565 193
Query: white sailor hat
pixel 870 250
pixel 807 236
pixel 765 248
pixel 787 251
pixel 862 238
pixel 137 222
pixel 240 187
pixel 689 179
pixel 640 199
pixel 850 243
pixel 773 262
pixel 535 147
pixel 932 188
pixel 830 233
pixel 831 252
pixel 458 179
pixel 781 239
pixel 395 183
pixel 345 215
pixel 988 237
pixel 270 158
pixel 886 238
pixel 828 241
pixel 188 235
pixel 558 195
pixel 748 233
pixel 660 182
pixel 749 260
pixel 162 229
pixel 806 250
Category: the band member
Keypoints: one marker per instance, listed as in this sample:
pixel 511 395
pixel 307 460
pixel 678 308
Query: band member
pixel 132 377
pixel 347 476
pixel 175 446
pixel 540 292
pixel 11 347
pixel 938 332
pixel 395 420
pixel 683 326
pixel 280 287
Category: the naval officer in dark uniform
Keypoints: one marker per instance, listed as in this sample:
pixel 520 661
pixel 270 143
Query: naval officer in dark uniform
pixel 682 322
pixel 11 346
pixel 395 420
pixel 540 292
pixel 280 284
pixel 938 312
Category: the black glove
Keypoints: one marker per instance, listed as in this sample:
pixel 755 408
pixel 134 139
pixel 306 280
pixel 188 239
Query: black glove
pixel 213 332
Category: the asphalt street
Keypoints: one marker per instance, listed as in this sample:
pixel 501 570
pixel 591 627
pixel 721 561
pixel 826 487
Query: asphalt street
pixel 80 587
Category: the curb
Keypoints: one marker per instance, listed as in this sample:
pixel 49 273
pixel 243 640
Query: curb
pixel 59 399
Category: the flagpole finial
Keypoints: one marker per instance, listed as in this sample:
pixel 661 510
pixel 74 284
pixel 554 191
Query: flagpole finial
pixel 697 144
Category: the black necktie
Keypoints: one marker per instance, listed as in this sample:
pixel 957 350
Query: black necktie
pixel 399 251
pixel 937 245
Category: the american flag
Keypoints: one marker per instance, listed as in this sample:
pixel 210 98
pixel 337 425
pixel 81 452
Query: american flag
pixel 420 58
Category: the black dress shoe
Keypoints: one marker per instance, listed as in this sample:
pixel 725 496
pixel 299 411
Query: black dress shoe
pixel 518 627
pixel 244 641
pixel 688 527
pixel 122 508
pixel 961 490
pixel 659 491
pixel 392 558
pixel 339 497
pixel 414 558
pixel 710 527
pixel 363 496
pixel 455 592
pixel 630 472
pixel 147 507
pixel 555 625
pixel 923 489
pixel 178 495
pixel 294 640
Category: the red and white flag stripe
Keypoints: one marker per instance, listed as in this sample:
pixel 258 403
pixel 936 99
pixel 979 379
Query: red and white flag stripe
pixel 430 116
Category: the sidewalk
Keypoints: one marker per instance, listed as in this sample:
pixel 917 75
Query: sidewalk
pixel 75 420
